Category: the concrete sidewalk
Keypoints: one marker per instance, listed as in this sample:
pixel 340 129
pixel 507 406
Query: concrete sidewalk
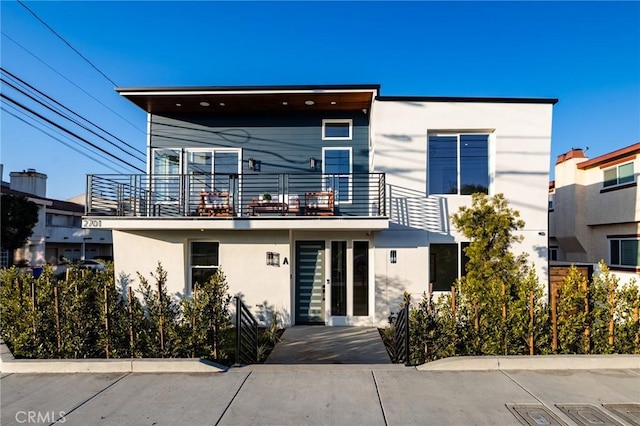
pixel 325 394
pixel 314 344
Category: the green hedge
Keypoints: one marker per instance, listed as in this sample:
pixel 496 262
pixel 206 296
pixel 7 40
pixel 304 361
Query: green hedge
pixel 87 314
pixel 501 324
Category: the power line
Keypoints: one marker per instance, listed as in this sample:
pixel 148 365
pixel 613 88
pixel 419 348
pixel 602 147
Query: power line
pixel 67 43
pixel 24 107
pixel 70 119
pixel 72 112
pixel 72 82
pixel 62 142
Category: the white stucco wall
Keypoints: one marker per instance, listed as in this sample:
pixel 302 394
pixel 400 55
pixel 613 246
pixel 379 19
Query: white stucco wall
pixel 519 151
pixel 242 257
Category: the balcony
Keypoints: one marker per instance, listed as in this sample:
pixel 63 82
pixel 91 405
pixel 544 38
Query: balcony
pixel 215 200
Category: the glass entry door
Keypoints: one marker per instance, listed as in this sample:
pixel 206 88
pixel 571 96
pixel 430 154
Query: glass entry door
pixel 211 171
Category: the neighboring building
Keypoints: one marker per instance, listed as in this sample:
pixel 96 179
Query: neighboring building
pixel 58 231
pixel 325 203
pixel 594 210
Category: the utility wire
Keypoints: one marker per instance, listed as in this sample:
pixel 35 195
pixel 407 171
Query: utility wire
pixel 72 112
pixel 135 126
pixel 68 118
pixel 68 109
pixel 73 148
pixel 24 107
pixel 66 42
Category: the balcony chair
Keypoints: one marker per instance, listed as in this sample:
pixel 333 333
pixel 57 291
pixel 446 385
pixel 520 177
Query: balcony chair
pixel 214 204
pixel 319 203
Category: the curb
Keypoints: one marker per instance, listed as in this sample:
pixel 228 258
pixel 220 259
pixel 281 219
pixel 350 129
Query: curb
pixel 8 364
pixel 535 362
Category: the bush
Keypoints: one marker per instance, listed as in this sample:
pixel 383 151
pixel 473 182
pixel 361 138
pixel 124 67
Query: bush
pixel 608 324
pixel 85 315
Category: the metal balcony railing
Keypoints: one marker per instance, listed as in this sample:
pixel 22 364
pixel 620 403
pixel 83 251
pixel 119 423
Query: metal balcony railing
pixel 237 195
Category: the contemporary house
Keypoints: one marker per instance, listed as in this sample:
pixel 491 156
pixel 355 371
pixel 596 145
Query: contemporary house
pixel 325 203
pixel 594 210
pixel 58 232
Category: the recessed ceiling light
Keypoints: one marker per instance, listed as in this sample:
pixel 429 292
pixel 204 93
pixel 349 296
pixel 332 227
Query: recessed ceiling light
pixel 221 103
pixel 205 103
pixel 333 102
pixel 178 104
pixel 309 102
pixel 285 103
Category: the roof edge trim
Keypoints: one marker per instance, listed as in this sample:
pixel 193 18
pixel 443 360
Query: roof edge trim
pixel 551 101
pixel 227 89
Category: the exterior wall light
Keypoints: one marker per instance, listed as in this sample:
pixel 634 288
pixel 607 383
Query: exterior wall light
pixel 273 259
pixel 393 256
pixel 313 163
pixel 254 165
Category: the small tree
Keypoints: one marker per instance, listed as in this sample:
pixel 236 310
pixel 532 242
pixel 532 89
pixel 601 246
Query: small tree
pixel 161 315
pixel 17 220
pixel 494 274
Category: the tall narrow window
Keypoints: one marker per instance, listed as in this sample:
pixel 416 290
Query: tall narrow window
pixel 360 278
pixel 443 164
pixel 337 166
pixel 458 164
pixel 166 179
pixel 443 266
pixel 225 164
pixel 204 261
pixel 338 278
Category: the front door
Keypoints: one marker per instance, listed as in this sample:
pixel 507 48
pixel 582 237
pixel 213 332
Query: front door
pixel 310 277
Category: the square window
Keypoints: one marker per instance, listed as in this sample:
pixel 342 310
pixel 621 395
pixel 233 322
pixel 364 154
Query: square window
pixel 458 164
pixel 624 252
pixel 337 129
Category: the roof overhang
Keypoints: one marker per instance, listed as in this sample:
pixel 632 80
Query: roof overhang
pixel 233 99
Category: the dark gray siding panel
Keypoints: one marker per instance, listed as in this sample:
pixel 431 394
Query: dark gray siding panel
pixel 282 144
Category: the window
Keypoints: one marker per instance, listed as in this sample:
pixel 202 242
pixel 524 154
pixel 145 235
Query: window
pixel 619 175
pixel 336 167
pixel 360 278
pixel 4 258
pixel 338 278
pixel 553 253
pixel 458 164
pixel 337 129
pixel 209 169
pixel 447 263
pixel 166 167
pixel 204 261
pixel 624 252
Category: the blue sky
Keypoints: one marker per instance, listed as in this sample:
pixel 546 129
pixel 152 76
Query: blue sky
pixel 585 54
